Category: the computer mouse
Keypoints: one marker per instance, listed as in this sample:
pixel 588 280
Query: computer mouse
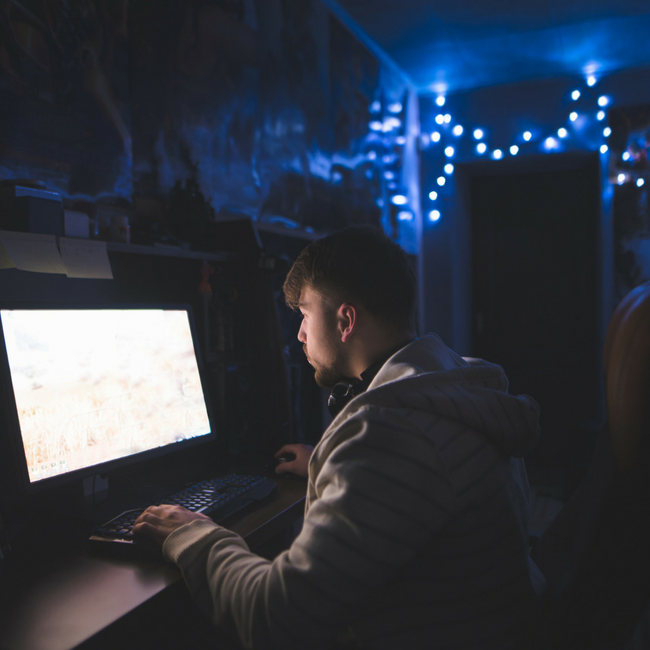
pixel 286 458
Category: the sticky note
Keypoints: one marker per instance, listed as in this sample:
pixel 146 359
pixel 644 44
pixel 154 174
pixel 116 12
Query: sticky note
pixel 30 252
pixel 85 259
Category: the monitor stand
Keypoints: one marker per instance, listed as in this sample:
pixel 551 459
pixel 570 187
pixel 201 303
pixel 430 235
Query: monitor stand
pixel 95 489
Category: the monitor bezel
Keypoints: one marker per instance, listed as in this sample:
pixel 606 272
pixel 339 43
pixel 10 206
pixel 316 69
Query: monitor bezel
pixel 12 423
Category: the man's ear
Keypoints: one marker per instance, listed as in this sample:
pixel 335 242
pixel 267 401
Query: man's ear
pixel 346 318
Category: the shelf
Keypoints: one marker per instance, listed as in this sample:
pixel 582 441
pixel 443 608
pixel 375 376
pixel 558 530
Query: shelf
pixel 166 251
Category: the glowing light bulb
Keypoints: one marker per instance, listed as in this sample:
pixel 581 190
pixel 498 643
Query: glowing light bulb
pixel 604 148
pixel 441 180
pixel 603 100
pixel 514 150
pixel 562 132
pixel 434 215
pixel 621 179
pixel 626 155
pixel 398 199
pixel 449 168
pixel 395 107
pixel 440 118
pixel 640 182
pixel 457 130
pixel 447 118
pixel 404 215
pixel 481 147
pixel 497 154
pixel 573 116
pixel 527 135
pixel 607 132
pixel 435 136
pixel 376 125
pixel 550 143
pixel 478 133
pixel 591 80
pixel 440 100
pixel 449 152
pixel 433 195
pixel 600 116
pixel 575 95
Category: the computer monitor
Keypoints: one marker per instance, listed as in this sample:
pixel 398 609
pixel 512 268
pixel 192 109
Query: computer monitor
pixel 90 390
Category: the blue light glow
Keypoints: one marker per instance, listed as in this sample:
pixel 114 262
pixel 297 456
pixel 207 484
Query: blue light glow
pixel 380 202
pixel 640 182
pixel 478 133
pixel 433 195
pixel 435 136
pixel 376 125
pixel 398 199
pixel 620 179
pixel 626 155
pixel 404 215
pixel 497 154
pixel 449 168
pixel 440 100
pixel 550 143
pixel 440 118
pixel 457 130
pixel 400 139
pixel 391 123
pixel 441 180
pixel 375 107
pixel 481 147
pixel 607 132
pixel 514 150
pixel 388 158
pixel 603 100
pixel 600 115
pixel 371 155
pixel 396 107
pixel 389 176
pixel 527 135
pixel 604 148
pixel 562 132
pixel 575 95
pixel 447 118
pixel 434 215
pixel 449 152
pixel 573 116
pixel 591 80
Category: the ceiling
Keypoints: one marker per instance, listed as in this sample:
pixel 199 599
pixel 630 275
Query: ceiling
pixel 446 46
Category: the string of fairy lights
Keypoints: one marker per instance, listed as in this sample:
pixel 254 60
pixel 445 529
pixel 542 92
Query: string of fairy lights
pixel 583 128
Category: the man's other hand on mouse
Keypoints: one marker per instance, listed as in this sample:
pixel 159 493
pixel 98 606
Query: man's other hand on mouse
pixel 300 464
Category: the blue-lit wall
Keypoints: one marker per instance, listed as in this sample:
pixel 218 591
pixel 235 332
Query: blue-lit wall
pixel 271 109
pixel 504 114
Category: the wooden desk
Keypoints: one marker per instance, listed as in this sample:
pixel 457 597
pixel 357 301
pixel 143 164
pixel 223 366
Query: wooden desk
pixel 64 607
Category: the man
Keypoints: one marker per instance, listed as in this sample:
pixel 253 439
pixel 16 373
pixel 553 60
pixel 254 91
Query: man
pixel 415 529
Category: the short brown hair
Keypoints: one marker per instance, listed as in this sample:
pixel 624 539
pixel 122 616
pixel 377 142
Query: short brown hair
pixel 359 264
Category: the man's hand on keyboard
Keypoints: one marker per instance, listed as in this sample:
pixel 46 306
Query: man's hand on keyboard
pixel 158 522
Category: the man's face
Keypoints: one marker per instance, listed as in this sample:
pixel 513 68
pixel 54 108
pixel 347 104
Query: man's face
pixel 320 338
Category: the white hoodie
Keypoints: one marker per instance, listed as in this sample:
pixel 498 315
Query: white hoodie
pixel 415 531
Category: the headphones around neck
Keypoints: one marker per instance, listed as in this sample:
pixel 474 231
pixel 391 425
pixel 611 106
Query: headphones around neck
pixel 343 392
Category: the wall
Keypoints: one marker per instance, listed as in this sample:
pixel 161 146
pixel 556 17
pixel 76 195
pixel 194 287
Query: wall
pixel 184 112
pixel 504 113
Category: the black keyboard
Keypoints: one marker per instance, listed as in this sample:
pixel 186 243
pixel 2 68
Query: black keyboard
pixel 217 498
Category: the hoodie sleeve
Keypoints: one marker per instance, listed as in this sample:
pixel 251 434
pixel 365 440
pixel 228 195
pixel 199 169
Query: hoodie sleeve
pixel 382 493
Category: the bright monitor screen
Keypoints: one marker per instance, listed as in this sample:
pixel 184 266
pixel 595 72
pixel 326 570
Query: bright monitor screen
pixel 93 386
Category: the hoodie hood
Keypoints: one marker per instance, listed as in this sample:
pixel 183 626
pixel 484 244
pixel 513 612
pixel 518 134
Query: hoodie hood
pixel 426 375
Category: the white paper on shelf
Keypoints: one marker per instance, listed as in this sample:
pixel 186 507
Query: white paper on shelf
pixel 30 252
pixel 85 259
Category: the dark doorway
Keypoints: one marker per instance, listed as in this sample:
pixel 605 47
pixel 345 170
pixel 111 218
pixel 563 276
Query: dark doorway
pixel 535 278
